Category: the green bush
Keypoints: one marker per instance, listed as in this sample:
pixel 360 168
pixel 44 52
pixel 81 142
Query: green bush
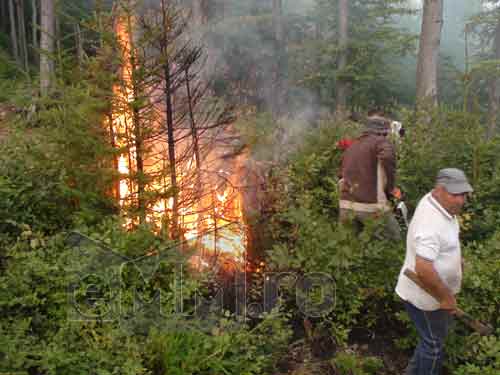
pixel 352 364
pixel 230 348
pixel 38 329
pixel 43 302
pixel 309 239
pixel 453 139
pixel 10 74
pixel 482 357
pixel 55 166
pixel 364 269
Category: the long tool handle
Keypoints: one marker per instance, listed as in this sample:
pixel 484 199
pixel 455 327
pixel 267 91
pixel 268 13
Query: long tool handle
pixel 475 324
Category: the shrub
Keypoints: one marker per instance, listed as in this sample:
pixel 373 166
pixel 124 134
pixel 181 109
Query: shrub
pixel 55 164
pixel 230 348
pixel 55 319
pixel 364 269
pixel 347 363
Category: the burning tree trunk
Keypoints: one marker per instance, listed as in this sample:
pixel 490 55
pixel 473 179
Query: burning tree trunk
pixel 194 136
pixel 177 141
pixel 132 118
pixel 196 152
pixel 169 121
pixel 137 125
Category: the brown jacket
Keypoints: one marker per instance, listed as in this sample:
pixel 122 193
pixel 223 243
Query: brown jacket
pixel 361 166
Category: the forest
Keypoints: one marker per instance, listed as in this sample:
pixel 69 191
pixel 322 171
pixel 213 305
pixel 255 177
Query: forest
pixel 170 185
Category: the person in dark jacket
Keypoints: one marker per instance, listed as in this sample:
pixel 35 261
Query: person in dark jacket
pixel 368 178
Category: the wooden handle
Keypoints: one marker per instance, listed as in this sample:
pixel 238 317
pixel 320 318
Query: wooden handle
pixel 475 324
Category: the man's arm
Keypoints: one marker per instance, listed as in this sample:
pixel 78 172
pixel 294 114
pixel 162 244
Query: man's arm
pixel 426 272
pixel 340 171
pixel 387 157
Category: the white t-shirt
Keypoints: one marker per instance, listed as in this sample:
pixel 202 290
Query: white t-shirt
pixel 433 235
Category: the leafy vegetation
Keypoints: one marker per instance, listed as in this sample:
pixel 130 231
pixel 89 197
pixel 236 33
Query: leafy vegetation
pixel 365 270
pixel 83 291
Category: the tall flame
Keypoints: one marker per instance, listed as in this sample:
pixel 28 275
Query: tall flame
pixel 213 222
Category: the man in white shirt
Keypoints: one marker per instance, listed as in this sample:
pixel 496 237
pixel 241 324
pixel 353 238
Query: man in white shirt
pixel 433 252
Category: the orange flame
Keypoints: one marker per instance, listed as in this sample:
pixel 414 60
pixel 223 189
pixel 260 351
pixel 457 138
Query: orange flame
pixel 214 223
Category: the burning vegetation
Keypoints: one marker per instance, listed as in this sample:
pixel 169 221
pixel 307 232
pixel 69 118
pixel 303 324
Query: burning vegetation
pixel 178 156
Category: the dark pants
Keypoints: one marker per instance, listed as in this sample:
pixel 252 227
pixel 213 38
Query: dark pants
pixel 432 328
pixel 388 229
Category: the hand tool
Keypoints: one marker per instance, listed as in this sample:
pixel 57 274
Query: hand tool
pixel 483 329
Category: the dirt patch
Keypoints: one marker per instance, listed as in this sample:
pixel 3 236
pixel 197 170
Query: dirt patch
pixel 380 345
pixel 300 360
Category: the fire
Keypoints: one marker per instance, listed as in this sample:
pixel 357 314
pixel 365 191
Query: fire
pixel 213 222
pixel 123 169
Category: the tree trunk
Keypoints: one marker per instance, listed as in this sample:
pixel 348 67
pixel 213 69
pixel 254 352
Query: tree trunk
pixel 198 187
pixel 22 34
pixel 342 90
pixel 34 29
pixel 194 135
pixel 494 92
pixel 278 19
pixel 47 27
pixel 171 151
pixel 428 52
pixel 4 16
pixel 175 232
pixel 79 45
pixel 13 32
pixel 137 125
pixel 278 93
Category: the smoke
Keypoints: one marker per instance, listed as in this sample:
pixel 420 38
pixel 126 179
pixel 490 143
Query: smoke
pixel 242 53
pixel 415 4
pixel 246 62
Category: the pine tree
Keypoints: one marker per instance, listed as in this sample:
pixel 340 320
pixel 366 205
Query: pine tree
pixel 164 123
